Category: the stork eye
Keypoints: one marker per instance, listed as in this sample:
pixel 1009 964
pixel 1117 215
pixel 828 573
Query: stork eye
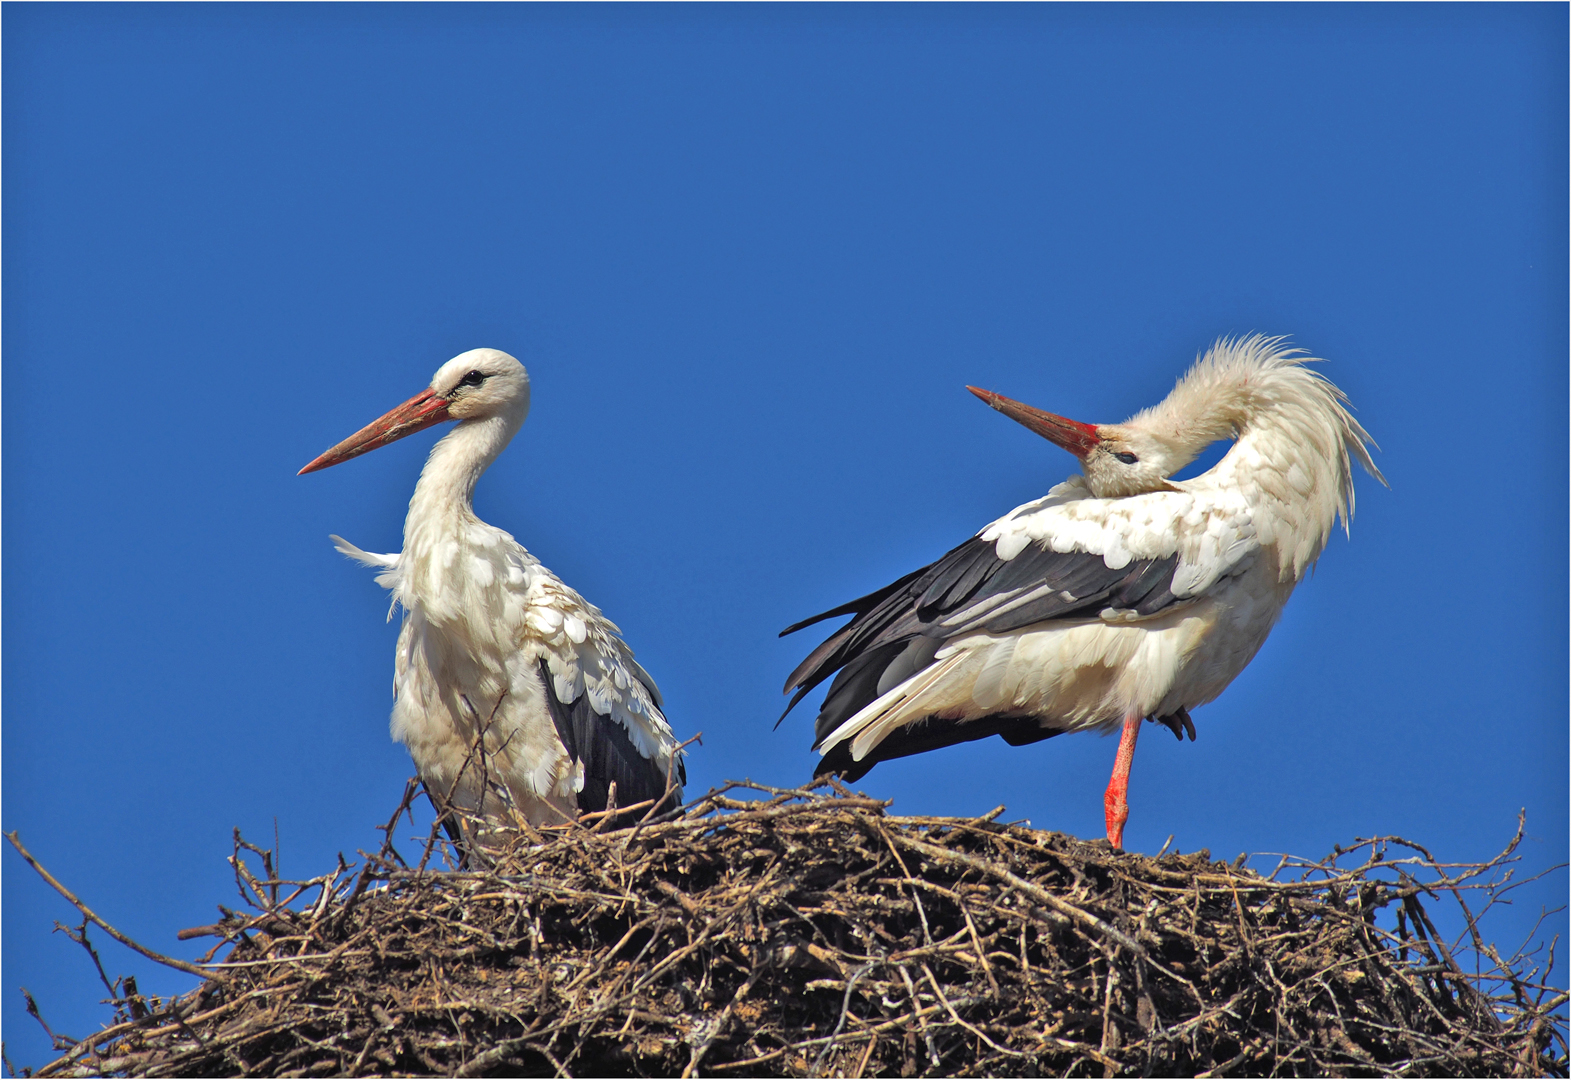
pixel 1126 457
pixel 474 378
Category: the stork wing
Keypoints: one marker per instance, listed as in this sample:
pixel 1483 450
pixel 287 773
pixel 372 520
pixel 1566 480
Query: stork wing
pixel 1060 558
pixel 605 750
pixel 604 706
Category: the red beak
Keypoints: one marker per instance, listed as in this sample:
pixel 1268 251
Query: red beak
pixel 1079 439
pixel 416 414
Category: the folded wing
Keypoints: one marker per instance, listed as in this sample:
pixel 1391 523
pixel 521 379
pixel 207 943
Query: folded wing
pixel 1059 559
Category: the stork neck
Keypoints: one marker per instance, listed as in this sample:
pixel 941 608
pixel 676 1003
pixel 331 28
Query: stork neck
pixel 447 483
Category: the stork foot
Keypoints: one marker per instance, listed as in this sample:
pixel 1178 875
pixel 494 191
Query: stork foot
pixel 1178 723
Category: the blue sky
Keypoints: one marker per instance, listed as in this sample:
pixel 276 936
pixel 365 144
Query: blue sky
pixel 751 256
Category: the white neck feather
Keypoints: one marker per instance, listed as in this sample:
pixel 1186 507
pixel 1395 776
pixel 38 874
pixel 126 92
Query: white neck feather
pixel 446 490
pixel 1296 442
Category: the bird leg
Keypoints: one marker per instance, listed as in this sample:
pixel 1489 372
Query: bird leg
pixel 1116 801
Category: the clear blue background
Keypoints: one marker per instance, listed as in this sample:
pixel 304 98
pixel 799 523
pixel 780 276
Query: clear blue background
pixel 750 255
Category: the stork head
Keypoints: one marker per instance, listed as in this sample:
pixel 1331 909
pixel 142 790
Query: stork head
pixel 1117 459
pixel 481 384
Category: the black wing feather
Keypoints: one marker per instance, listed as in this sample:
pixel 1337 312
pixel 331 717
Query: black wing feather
pixel 606 750
pixel 851 607
pixel 969 589
pixel 856 685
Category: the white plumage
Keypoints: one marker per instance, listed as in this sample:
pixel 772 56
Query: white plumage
pixel 513 694
pixel 1120 595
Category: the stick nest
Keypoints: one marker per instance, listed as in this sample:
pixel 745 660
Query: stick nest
pixel 810 932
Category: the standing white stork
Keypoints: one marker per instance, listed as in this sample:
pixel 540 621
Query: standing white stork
pixel 1121 595
pixel 513 694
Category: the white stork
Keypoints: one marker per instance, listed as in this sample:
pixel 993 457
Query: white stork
pixel 1121 595
pixel 513 694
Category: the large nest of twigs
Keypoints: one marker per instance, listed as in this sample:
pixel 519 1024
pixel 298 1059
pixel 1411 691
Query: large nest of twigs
pixel 802 933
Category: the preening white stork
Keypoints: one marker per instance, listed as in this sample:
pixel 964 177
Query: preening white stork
pixel 1121 595
pixel 513 694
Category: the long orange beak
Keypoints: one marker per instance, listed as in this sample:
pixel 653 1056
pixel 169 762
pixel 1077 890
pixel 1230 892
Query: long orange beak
pixel 1079 439
pixel 416 414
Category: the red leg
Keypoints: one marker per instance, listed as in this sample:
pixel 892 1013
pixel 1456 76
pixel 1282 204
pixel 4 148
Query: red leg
pixel 1116 801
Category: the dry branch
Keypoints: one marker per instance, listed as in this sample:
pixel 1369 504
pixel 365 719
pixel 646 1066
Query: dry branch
pixel 812 933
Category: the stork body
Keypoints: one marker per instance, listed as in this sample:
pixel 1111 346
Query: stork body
pixel 1121 595
pixel 513 694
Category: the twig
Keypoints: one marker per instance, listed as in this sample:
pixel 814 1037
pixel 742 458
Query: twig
pixel 762 930
pixel 91 916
